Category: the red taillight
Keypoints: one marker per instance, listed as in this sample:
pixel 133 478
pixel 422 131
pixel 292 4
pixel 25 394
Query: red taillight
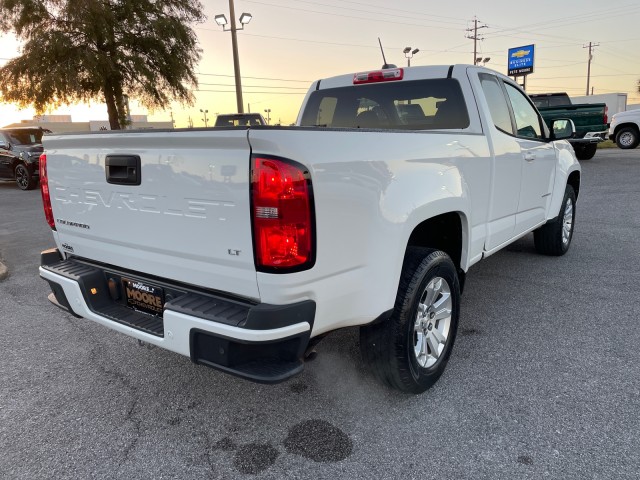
pixel 44 188
pixel 281 211
pixel 606 114
pixel 378 76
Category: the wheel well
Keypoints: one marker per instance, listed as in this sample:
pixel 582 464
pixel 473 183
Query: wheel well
pixel 443 232
pixel 574 181
pixel 625 125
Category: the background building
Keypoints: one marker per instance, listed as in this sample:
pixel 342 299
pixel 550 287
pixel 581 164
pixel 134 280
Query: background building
pixel 616 102
pixel 64 124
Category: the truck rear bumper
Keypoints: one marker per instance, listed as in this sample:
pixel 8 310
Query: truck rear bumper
pixel 591 137
pixel 259 342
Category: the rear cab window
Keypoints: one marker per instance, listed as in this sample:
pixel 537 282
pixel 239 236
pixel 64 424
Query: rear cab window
pixel 409 105
pixel 497 102
pixel 24 137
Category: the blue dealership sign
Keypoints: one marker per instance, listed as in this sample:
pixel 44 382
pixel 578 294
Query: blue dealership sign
pixel 520 61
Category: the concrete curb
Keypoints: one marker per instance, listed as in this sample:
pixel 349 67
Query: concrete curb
pixel 4 271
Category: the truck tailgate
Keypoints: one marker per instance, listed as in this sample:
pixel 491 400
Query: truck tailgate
pixel 188 219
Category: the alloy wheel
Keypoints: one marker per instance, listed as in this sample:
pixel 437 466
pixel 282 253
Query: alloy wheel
pixel 433 322
pixel 567 222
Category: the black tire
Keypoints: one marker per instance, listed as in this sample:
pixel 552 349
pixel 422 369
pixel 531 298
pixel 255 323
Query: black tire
pixel 24 179
pixel 627 138
pixel 389 347
pixel 554 237
pixel 585 152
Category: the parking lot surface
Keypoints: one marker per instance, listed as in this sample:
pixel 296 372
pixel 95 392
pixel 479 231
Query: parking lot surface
pixel 544 380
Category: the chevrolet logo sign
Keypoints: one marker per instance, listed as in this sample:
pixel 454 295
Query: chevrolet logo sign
pixel 520 53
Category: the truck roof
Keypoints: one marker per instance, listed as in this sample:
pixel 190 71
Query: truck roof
pixel 408 73
pixel 25 129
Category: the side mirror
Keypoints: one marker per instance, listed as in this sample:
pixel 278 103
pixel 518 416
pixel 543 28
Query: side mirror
pixel 562 128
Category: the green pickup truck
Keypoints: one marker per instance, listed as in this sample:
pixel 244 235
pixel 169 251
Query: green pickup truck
pixel 590 120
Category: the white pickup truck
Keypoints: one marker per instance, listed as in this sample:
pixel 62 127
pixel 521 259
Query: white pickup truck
pixel 241 248
pixel 625 129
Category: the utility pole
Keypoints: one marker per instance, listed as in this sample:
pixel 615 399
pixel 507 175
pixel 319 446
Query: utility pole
pixel 475 38
pixel 591 46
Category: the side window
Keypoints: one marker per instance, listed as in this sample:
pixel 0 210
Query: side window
pixel 527 120
pixel 497 103
pixel 326 111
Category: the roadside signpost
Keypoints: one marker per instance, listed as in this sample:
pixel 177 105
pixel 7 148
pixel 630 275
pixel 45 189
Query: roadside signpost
pixel 520 62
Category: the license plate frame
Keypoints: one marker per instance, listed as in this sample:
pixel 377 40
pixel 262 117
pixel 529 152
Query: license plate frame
pixel 143 296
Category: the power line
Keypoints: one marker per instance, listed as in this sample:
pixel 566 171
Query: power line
pixel 385 13
pixel 320 42
pixel 592 76
pixel 385 20
pixel 255 78
pixel 554 23
pixel 252 86
pixel 610 51
pixel 413 13
pixel 261 93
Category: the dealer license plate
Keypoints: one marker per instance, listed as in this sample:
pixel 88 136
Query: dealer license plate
pixel 143 296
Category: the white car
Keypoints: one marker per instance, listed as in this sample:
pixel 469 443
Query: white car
pixel 625 129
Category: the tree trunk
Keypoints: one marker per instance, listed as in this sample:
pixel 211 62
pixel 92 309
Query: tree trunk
pixel 112 108
pixel 121 102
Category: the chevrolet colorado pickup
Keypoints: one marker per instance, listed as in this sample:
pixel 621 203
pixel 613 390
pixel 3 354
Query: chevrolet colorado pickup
pixel 590 120
pixel 241 248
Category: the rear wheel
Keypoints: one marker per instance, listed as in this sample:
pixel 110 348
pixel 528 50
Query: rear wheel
pixel 24 180
pixel 409 351
pixel 627 138
pixel 585 152
pixel 554 237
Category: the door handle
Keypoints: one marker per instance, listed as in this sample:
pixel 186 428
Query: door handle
pixel 123 169
pixel 529 157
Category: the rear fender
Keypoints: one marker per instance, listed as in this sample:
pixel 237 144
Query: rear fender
pixel 567 164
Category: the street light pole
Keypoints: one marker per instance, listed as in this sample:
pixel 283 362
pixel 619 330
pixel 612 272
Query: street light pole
pixel 236 59
pixel 205 120
pixel 409 54
pixel 222 21
pixel 268 112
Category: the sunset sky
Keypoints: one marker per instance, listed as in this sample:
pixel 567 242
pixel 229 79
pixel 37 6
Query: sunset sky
pixel 289 44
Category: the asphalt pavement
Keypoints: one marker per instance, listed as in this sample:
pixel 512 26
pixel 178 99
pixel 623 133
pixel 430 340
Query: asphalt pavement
pixel 544 380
